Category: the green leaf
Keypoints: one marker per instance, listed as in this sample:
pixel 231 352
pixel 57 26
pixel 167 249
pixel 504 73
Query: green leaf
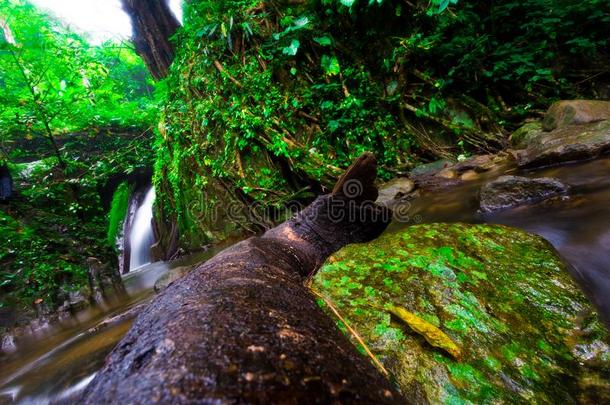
pixel 301 22
pixel 292 49
pixel 431 333
pixel 348 3
pixel 330 65
pixel 324 41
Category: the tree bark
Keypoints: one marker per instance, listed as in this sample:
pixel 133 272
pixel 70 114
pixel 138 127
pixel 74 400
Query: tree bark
pixel 242 327
pixel 153 25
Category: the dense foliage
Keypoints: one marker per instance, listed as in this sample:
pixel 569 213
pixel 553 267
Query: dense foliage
pixel 268 99
pixel 57 83
pixel 265 103
pixel 73 117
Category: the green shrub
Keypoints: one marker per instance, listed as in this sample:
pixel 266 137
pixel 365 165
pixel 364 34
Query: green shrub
pixel 118 210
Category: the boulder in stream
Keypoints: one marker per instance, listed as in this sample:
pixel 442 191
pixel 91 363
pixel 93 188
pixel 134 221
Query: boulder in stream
pixel 525 135
pixel 395 190
pixel 103 280
pixel 511 191
pixel 7 344
pixel 568 112
pixel 571 130
pixel 170 276
pixel 430 169
pixel 566 144
pixel 521 329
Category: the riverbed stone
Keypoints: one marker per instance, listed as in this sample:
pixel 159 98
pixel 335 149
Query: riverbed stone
pixel 525 135
pixel 525 332
pixel 431 168
pixel 469 175
pixel 478 163
pixel 170 276
pixel 7 344
pixel 566 144
pixel 448 173
pixel 567 112
pixel 395 189
pixel 104 280
pixel 512 191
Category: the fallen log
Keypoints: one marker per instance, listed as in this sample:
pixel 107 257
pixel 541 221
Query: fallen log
pixel 242 328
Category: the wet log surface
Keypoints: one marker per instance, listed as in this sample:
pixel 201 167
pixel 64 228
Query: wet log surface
pixel 242 328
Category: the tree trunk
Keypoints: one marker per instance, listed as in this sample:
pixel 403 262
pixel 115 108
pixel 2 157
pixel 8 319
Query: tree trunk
pixel 153 24
pixel 242 327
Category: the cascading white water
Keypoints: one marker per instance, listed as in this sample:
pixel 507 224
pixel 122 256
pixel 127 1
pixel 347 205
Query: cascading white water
pixel 141 236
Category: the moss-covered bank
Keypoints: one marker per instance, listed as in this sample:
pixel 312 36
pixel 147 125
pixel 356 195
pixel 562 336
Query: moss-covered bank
pixel 525 332
pixel 267 101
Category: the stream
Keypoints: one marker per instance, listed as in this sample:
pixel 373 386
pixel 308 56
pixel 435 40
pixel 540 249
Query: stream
pixel 59 364
pixel 577 226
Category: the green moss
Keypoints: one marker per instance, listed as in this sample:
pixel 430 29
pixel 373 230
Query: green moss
pixel 502 295
pixel 525 135
pixel 118 210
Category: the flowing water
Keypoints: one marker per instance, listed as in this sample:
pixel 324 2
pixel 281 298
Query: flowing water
pixel 141 235
pixel 58 365
pixel 578 226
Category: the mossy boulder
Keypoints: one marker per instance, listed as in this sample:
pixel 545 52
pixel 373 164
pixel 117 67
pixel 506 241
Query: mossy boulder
pixel 525 135
pixel 565 144
pixel 568 112
pixel 525 331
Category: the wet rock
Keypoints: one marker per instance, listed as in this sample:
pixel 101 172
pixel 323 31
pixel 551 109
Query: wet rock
pixel 431 168
pixel 479 163
pixel 103 280
pixel 395 189
pixel 447 173
pixel 501 295
pixel 565 144
pixel 8 344
pixel 469 175
pixel 511 191
pixel 525 135
pixel 172 275
pixel 431 183
pixel 567 112
pixel 37 326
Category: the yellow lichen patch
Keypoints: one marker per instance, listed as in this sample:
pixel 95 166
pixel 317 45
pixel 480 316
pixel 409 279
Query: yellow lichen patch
pixel 431 333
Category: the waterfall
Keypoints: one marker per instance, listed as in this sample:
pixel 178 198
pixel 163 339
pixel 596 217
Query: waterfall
pixel 141 234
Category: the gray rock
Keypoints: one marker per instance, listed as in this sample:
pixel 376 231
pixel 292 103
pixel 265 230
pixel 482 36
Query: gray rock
pixel 511 191
pixel 172 275
pixel 8 344
pixel 431 168
pixel 525 135
pixel 478 163
pixel 395 189
pixel 103 280
pixel 565 144
pixel 567 112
